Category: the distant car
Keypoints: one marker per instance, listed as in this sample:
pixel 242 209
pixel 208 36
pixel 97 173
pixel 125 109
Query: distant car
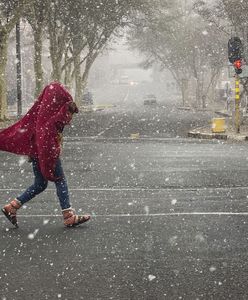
pixel 150 100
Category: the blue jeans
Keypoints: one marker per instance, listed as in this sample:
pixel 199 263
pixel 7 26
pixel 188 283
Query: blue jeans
pixel 40 184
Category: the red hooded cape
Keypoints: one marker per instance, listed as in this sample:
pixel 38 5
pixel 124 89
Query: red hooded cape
pixel 36 134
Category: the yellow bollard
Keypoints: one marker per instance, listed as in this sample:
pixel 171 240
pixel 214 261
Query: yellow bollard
pixel 218 125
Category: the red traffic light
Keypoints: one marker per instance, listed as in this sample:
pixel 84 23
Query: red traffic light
pixel 238 64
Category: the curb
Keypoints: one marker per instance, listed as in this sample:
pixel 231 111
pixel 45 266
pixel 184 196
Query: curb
pixel 209 136
pixel 238 138
pixel 223 114
pixel 184 108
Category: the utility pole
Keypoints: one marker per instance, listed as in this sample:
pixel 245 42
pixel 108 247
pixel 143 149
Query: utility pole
pixel 18 70
pixel 237 104
pixel 235 56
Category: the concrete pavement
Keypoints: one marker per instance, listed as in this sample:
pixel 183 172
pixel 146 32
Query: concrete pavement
pixel 230 134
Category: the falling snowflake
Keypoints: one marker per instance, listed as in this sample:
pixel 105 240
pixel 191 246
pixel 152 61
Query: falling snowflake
pixel 22 161
pixel 151 277
pixel 31 236
pixel 146 208
pixel 212 269
pixel 199 237
pixel 173 201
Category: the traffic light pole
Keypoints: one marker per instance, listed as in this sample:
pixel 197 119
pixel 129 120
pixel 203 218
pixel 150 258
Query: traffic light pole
pixel 236 57
pixel 237 104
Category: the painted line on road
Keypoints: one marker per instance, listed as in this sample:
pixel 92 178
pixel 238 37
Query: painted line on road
pixel 107 189
pixel 139 189
pixel 110 127
pixel 126 96
pixel 68 139
pixel 100 138
pixel 149 215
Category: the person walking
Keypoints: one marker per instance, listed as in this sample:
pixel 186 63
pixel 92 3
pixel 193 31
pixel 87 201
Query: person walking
pixel 38 135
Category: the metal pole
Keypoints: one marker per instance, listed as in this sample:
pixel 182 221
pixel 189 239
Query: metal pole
pixel 18 70
pixel 237 105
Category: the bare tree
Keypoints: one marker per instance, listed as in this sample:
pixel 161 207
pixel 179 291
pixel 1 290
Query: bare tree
pixel 229 17
pixel 35 13
pixel 10 12
pixel 78 32
pixel 185 45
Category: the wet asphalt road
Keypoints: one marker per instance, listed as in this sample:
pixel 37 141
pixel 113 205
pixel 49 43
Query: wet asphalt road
pixel 169 220
pixel 149 121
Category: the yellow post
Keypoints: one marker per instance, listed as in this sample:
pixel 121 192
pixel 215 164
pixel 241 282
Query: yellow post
pixel 237 105
pixel 218 125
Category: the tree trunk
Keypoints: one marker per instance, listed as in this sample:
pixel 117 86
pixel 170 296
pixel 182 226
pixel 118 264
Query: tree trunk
pixel 38 61
pixel 56 65
pixel 81 81
pixel 210 91
pixel 67 77
pixel 88 65
pixel 183 84
pixel 78 81
pixel 185 91
pixel 84 77
pixel 3 63
pixel 67 72
pixel 198 93
pixel 56 57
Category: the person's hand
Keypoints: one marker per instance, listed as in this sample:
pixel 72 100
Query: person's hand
pixel 73 108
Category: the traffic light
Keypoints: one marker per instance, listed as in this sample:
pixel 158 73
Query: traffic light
pixel 237 65
pixel 235 49
pixel 235 53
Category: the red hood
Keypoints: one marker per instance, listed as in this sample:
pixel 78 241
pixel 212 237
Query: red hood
pixel 36 133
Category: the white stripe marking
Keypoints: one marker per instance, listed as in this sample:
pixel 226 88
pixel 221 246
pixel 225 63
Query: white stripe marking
pixel 139 189
pixel 151 215
pixel 110 127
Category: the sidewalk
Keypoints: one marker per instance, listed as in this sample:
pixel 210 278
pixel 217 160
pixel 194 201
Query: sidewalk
pixel 219 111
pixel 230 133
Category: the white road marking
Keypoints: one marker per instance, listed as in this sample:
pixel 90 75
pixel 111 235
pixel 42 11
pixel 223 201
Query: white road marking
pixel 68 139
pixel 126 96
pixel 139 189
pixel 150 215
pixel 102 132
pixel 110 127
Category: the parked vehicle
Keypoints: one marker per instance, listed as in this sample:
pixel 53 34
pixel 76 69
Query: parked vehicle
pixel 150 99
